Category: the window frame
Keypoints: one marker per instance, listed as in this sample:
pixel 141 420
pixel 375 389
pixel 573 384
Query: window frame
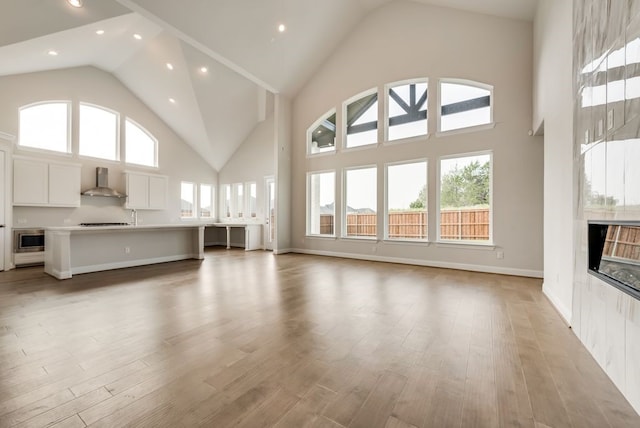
pixel 345 125
pixel 344 228
pixel 247 199
pixel 211 195
pixel 194 201
pixel 473 128
pixel 226 203
pixel 386 237
pixel 387 88
pixel 313 127
pixel 156 148
pixel 308 204
pixel 117 134
pixel 439 240
pixel 235 198
pixel 69 151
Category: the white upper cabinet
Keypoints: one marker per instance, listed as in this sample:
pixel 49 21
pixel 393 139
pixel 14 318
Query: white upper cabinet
pixel 40 183
pixel 146 191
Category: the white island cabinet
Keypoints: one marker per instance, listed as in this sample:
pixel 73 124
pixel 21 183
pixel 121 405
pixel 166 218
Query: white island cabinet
pixel 77 249
pixel 50 184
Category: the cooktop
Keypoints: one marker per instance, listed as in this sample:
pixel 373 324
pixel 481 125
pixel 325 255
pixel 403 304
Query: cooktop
pixel 104 224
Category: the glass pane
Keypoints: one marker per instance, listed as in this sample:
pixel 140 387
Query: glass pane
pixel 140 146
pixel 98 132
pixel 407 201
pixel 45 126
pixel 361 202
pixel 227 200
pixel 465 198
pixel 186 200
pixel 323 136
pixel 463 106
pixel 362 121
pixel 407 111
pixel 206 199
pixel 251 199
pixel 321 203
pixel 239 199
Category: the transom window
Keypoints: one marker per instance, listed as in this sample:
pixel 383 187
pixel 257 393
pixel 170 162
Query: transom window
pixel 98 132
pixel 46 126
pixel 407 111
pixel 361 118
pixel 464 104
pixel 141 146
pixel 322 135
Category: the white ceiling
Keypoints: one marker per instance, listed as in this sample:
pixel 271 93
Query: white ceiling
pixel 237 40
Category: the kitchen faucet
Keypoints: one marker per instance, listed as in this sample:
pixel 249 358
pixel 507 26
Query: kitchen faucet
pixel 134 217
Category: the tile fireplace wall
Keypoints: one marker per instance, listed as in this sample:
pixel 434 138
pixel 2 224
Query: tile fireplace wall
pixel 606 65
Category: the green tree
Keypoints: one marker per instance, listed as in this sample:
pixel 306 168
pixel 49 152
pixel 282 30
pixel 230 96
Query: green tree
pixel 466 187
pixel 421 202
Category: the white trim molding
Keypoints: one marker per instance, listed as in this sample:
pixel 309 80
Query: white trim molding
pixel 562 310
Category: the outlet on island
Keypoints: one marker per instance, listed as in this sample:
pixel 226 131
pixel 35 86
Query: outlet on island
pixel 127 250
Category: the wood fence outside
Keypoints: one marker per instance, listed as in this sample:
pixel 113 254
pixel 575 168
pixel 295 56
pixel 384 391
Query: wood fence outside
pixel 623 242
pixel 459 224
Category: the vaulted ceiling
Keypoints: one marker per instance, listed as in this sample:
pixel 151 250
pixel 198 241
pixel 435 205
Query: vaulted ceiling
pixel 238 41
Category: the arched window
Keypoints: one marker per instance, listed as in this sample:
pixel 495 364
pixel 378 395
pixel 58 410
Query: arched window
pixel 464 104
pixel 321 136
pixel 99 132
pixel 141 148
pixel 46 126
pixel 406 110
pixel 361 120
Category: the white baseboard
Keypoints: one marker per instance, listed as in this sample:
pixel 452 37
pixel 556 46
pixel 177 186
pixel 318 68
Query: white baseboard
pixel 131 263
pixel 285 251
pixel 564 312
pixel 429 263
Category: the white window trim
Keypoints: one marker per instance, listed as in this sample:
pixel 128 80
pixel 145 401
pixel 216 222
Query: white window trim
pixel 343 128
pixel 314 125
pixel 386 202
pixel 69 151
pixel 118 128
pixel 234 200
pixel 247 199
pixel 438 240
pixel 194 195
pixel 308 234
pixel 474 128
pixel 223 199
pixel 343 232
pixel 385 117
pixel 213 210
pixel 150 135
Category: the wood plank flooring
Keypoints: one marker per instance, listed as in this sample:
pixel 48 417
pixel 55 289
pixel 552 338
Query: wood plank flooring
pixel 256 340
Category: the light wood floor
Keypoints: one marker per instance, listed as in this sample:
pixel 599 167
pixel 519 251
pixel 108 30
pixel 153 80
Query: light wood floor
pixel 257 340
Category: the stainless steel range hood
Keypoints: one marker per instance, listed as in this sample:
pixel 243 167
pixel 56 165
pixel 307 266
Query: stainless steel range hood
pixel 102 186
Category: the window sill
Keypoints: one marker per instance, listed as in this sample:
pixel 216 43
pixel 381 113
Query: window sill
pixel 321 237
pixel 20 149
pixel 321 154
pixel 416 242
pixel 486 246
pixel 358 148
pixel 359 238
pixel 407 140
pixel 466 130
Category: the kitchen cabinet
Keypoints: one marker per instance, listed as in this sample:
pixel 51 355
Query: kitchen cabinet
pixel 41 183
pixel 146 191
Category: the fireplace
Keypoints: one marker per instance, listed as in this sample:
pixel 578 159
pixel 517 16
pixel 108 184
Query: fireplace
pixel 614 254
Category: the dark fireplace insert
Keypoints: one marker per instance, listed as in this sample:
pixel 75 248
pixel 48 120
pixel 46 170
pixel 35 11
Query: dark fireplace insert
pixel 614 254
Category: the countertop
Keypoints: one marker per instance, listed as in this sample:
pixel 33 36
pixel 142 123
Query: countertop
pixel 149 226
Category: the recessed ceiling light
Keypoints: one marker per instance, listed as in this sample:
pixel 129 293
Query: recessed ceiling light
pixel 75 3
pixel 137 36
pixel 203 69
pixel 281 28
pixel 100 32
pixel 170 66
pixel 172 101
pixel 53 53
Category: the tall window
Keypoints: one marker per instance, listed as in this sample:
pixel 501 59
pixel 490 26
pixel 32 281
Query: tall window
pixel 321 137
pixel 141 147
pixel 206 201
pixel 361 202
pixel 465 198
pixel 46 126
pixel 252 199
pixel 226 194
pixel 407 110
pixel 464 104
pixel 407 201
pixel 321 207
pixel 99 132
pixel 361 118
pixel 187 200
pixel 238 199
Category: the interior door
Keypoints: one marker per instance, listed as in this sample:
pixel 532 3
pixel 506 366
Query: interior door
pixel 270 212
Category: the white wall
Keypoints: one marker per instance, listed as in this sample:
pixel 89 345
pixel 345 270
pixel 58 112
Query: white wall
pixel 404 40
pixel 285 210
pixel 553 115
pixel 88 84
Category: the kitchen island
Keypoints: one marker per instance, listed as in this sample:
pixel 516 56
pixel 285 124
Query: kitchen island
pixel 79 249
